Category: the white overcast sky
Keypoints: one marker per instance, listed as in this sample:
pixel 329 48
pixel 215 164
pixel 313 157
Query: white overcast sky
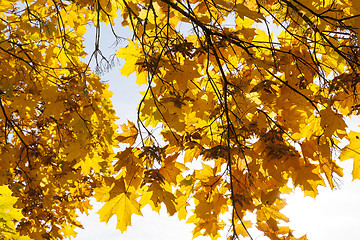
pixel 333 215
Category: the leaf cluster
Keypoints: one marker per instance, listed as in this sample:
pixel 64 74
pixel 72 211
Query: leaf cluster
pixel 255 91
pixel 56 120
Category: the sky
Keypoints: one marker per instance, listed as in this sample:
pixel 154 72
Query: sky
pixel 333 215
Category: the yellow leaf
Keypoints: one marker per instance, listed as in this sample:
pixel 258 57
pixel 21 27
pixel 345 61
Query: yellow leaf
pixel 191 154
pixel 68 231
pixel 352 151
pixel 9 214
pixel 123 207
pixel 272 223
pixel 332 122
pixel 131 53
pixel 160 194
pixel 273 211
pixel 240 228
pixel 89 163
pixel 142 78
pixel 171 169
pixel 7 211
pixel 308 179
pixel 85 206
pixel 244 11
pixel 270 197
pixel 129 133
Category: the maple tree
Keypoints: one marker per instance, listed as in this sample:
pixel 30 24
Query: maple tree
pixel 249 98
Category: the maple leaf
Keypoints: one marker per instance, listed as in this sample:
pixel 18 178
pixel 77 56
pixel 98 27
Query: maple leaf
pixel 9 214
pixel 243 11
pixel 129 133
pixel 332 122
pixel 131 53
pixel 171 168
pixel 351 151
pixel 241 228
pixel 123 206
pixel 160 194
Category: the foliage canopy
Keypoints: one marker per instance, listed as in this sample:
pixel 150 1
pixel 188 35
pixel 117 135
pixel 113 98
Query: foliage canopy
pixel 249 96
